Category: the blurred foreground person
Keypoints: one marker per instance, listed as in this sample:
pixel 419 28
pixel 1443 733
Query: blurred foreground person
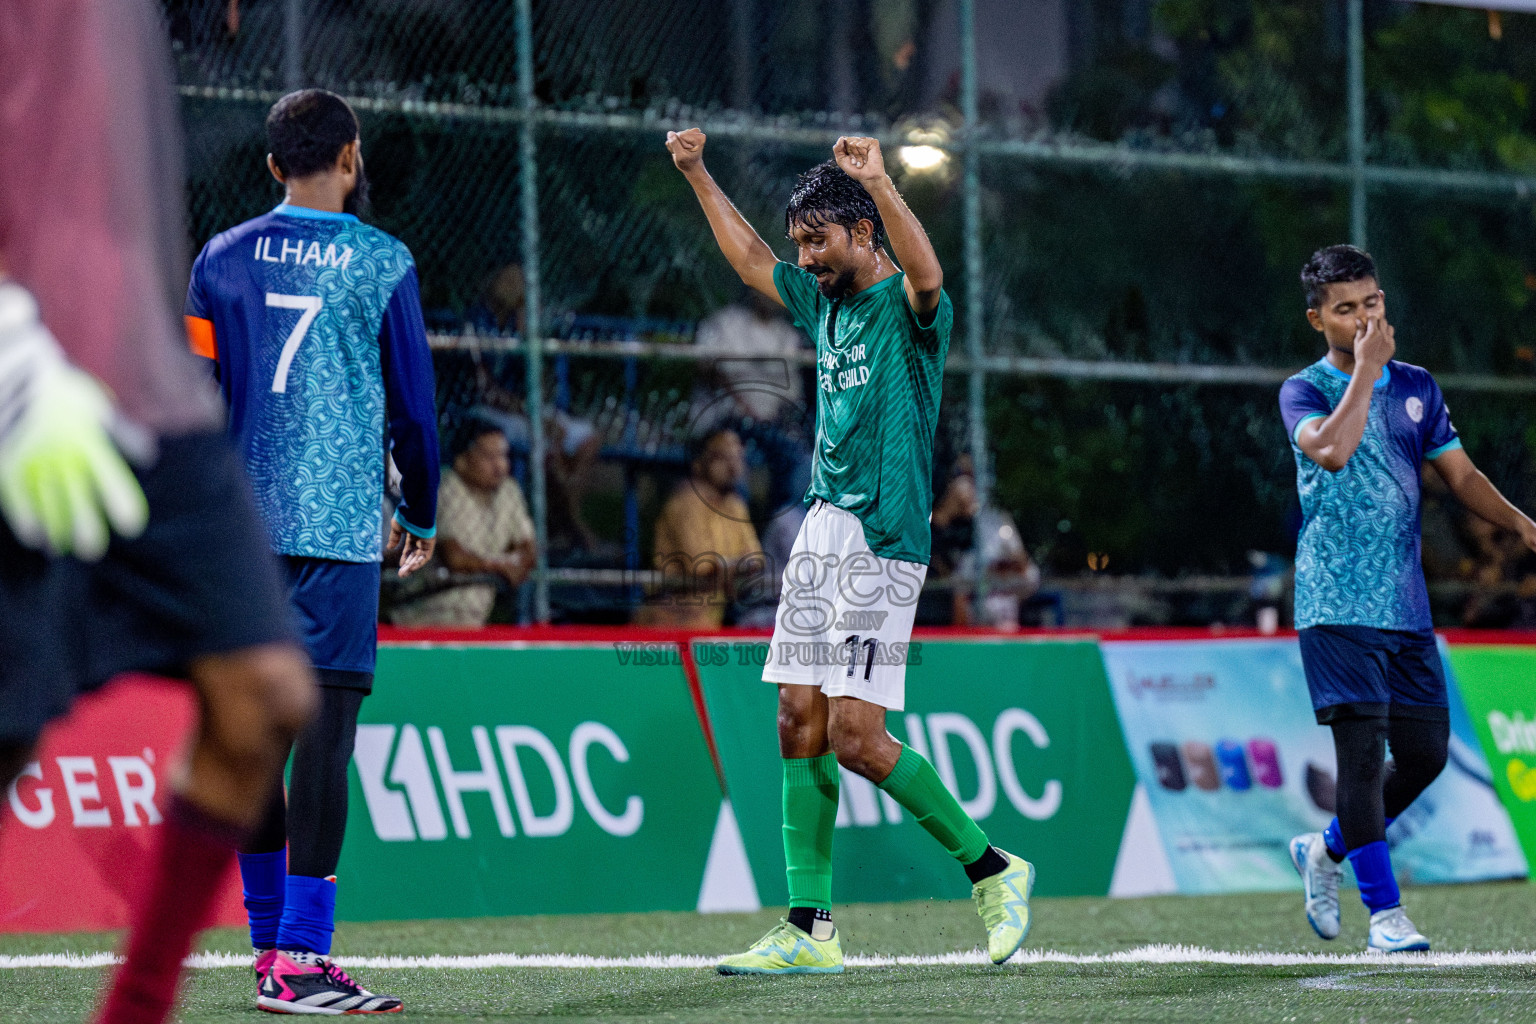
pixel 1362 425
pixel 157 562
pixel 313 320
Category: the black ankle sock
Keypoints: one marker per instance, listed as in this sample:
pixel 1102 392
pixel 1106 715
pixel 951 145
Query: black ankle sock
pixel 805 918
pixel 988 864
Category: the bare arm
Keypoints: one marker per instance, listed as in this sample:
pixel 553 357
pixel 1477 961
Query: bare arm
pixel 748 254
pixel 861 160
pixel 1477 493
pixel 513 566
pixel 1330 441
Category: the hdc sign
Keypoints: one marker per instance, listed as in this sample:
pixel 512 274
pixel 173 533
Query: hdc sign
pixel 413 811
pixel 512 770
pixel 1023 734
pixel 992 763
pixel 77 829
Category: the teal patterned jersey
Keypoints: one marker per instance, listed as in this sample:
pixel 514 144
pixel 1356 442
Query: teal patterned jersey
pixel 1357 558
pixel 314 320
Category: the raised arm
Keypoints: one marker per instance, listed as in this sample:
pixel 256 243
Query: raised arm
pixel 1477 493
pixel 860 159
pixel 1329 441
pixel 748 254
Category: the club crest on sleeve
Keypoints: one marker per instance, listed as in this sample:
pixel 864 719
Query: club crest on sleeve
pixel 1415 407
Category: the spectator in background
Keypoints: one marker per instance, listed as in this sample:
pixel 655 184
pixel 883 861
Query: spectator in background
pixel 760 608
pixel 754 367
pixel 1504 585
pixel 705 548
pixel 572 444
pixel 500 309
pixel 1011 575
pixel 753 385
pixel 483 529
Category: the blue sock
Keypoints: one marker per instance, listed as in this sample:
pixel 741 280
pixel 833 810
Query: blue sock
pixel 309 917
pixel 1373 872
pixel 1334 837
pixel 264 880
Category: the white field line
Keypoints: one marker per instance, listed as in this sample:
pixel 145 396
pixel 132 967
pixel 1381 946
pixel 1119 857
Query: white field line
pixel 1154 955
pixel 1358 981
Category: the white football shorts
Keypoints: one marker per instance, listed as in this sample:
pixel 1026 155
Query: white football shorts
pixel 845 614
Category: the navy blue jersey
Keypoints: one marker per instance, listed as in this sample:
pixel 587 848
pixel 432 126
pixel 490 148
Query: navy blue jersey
pixel 1357 559
pixel 314 319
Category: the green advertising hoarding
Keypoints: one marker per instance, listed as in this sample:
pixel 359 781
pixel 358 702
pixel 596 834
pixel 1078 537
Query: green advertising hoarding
pixel 1498 687
pixel 1024 733
pixel 492 780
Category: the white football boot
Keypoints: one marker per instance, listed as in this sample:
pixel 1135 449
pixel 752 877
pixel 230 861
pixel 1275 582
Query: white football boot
pixel 1392 932
pixel 1319 883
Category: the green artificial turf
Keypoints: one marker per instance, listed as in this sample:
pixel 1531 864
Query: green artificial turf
pixel 1493 917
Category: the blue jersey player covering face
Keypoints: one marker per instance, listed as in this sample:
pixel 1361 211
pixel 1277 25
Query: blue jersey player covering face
pixel 314 321
pixel 1362 425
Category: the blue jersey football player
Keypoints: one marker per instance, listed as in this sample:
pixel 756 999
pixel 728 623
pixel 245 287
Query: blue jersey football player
pixel 313 319
pixel 1362 425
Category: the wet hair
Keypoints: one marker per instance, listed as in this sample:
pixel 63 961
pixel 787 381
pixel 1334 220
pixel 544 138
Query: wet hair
pixel 825 194
pixel 307 130
pixel 1334 265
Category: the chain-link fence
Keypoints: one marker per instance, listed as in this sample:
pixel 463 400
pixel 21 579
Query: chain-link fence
pixel 1121 193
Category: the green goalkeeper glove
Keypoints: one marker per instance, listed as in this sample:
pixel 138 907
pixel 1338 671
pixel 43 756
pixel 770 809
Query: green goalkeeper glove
pixel 63 483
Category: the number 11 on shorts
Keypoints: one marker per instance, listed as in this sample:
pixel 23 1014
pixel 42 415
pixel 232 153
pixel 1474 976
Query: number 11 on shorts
pixel 853 655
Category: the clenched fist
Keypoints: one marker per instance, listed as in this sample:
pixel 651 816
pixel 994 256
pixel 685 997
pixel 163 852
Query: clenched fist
pixel 687 149
pixel 860 158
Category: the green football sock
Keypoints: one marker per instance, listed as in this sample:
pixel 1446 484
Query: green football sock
pixel 810 813
pixel 915 785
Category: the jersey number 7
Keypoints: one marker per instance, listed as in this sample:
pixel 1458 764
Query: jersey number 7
pixel 310 304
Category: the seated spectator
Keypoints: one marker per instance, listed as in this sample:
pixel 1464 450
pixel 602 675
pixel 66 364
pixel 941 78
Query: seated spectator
pixel 483 530
pixel 1011 575
pixel 1504 584
pixel 706 548
pixel 753 386
pixel 758 606
pixel 500 309
pixel 572 444
pixel 754 369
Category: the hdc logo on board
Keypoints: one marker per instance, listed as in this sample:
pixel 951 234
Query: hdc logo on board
pixel 862 804
pixel 389 756
pixel 33 796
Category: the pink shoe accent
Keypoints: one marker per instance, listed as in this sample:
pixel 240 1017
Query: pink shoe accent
pixel 279 968
pixel 309 983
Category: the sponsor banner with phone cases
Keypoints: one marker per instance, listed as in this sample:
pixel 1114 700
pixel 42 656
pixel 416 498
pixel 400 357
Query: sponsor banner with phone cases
pixel 1223 739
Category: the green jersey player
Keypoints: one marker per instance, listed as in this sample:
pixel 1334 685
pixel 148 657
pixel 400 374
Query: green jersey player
pixel 850 586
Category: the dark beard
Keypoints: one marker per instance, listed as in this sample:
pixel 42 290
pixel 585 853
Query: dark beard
pixel 840 287
pixel 357 202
